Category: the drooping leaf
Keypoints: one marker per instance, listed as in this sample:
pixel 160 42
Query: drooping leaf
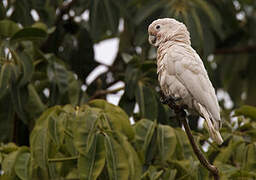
pixel 91 164
pixel 26 64
pixel 58 74
pixel 135 166
pixel 29 34
pixel 8 28
pixel 117 163
pixel 84 133
pixel 166 141
pixel 22 165
pixel 6 118
pixel 144 131
pixel 5 77
pixel 34 101
pixel 147 102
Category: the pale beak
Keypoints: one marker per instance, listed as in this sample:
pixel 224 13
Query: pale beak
pixel 152 39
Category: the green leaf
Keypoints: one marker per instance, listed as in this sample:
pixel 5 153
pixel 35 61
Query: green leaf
pixel 131 80
pixel 58 74
pixel 56 129
pixel 85 129
pixel 6 118
pixel 91 164
pixel 248 111
pixel 251 157
pixel 33 102
pixel 227 152
pixel 226 170
pixel 135 166
pixel 8 28
pixel 183 147
pixel 5 77
pixel 9 162
pixel 22 165
pixel 26 65
pixel 116 117
pixel 117 163
pixel 8 165
pixel 127 104
pixel 144 131
pixel 39 147
pixel 166 141
pixel 29 34
pixel 147 102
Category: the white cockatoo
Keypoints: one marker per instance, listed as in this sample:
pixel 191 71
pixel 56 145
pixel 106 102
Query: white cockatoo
pixel 181 72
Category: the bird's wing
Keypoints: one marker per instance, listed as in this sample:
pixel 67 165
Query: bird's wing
pixel 191 73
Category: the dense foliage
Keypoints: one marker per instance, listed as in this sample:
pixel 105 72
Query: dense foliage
pixel 54 125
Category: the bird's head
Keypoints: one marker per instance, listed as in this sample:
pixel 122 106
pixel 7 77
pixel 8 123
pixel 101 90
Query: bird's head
pixel 167 29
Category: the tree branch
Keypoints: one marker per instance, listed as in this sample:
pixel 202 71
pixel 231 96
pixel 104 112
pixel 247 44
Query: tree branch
pixel 181 115
pixel 104 92
pixel 236 50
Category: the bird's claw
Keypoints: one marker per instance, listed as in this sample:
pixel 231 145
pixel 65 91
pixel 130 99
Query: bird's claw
pixel 168 99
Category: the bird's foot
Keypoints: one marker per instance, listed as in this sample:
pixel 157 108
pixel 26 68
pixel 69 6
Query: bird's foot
pixel 168 99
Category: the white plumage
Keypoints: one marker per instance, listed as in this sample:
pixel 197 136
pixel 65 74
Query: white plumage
pixel 181 72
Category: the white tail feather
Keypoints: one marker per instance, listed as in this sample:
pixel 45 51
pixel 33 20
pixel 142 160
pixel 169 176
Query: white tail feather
pixel 214 133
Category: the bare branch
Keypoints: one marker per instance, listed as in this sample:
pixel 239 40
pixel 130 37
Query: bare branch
pixel 104 92
pixel 237 50
pixel 181 115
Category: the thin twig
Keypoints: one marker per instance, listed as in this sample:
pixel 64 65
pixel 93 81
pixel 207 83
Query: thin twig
pixel 181 115
pixel 104 92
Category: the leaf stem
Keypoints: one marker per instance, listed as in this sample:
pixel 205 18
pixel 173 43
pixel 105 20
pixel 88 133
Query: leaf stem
pixel 68 133
pixel 63 159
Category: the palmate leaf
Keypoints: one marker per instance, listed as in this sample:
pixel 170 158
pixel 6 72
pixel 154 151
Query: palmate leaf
pixel 115 116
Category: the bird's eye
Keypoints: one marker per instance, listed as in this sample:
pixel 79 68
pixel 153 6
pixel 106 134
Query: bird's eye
pixel 158 27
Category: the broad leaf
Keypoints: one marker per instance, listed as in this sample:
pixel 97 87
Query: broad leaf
pixel 91 164
pixel 29 34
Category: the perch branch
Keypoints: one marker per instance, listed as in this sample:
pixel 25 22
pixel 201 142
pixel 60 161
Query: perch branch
pixel 181 115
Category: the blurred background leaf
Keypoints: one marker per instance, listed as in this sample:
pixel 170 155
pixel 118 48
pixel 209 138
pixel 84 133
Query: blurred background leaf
pixel 52 75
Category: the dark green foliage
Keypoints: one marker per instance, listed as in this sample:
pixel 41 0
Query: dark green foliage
pixel 52 127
